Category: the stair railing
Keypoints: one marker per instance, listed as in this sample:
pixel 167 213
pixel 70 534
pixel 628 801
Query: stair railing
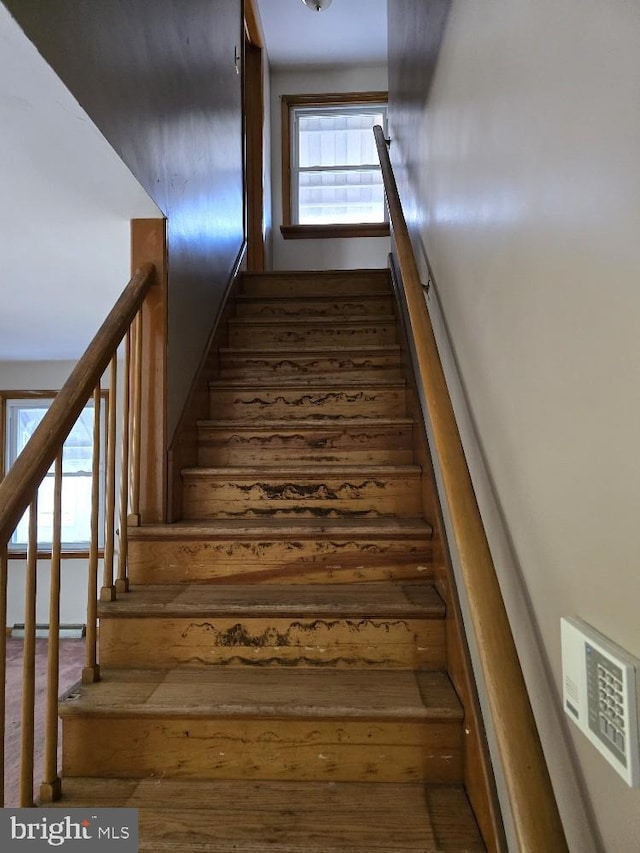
pixel 19 493
pixel 536 820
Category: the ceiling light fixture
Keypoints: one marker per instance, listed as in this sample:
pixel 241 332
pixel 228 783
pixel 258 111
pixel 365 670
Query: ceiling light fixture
pixel 317 5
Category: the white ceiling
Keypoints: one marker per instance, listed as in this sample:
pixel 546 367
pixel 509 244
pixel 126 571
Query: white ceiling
pixel 349 32
pixel 66 197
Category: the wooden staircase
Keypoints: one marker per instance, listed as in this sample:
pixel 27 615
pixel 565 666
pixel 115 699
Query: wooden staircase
pixel 277 676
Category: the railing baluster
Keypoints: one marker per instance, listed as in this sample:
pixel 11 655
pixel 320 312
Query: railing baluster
pixel 134 518
pixel 122 582
pixel 3 659
pixel 50 788
pixel 19 493
pixel 29 661
pixel 108 591
pixel 91 671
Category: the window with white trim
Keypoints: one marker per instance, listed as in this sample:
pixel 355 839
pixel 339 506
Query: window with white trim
pixel 22 416
pixel 331 171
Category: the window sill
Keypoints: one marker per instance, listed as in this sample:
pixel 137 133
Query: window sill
pixel 314 232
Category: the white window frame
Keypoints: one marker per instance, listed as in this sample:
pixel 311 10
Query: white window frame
pixel 13 404
pixel 292 107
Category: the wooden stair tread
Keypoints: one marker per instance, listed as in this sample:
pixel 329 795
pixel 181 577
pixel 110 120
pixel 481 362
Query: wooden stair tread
pixel 211 816
pixel 373 600
pixel 273 693
pixel 407 528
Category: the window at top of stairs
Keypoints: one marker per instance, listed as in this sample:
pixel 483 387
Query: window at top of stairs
pixel 332 183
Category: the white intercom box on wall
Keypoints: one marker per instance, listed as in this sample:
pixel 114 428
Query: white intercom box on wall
pixel 600 695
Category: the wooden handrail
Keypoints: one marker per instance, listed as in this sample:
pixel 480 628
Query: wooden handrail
pixel 534 811
pixel 23 478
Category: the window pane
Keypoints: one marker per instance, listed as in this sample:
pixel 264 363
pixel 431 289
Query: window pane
pixel 341 197
pixel 28 418
pixel 77 463
pixel 78 448
pixel 76 513
pixel 337 139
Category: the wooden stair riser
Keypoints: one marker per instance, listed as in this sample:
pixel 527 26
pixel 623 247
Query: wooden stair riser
pixel 301 402
pixel 332 332
pixel 269 641
pixel 276 748
pixel 316 366
pixel 322 444
pixel 324 284
pixel 217 493
pixel 339 306
pixel 292 560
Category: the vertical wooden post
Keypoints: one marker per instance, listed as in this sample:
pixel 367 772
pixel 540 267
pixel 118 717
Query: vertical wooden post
pixel 51 786
pixel 148 245
pixel 91 671
pixel 134 517
pixel 27 728
pixel 108 591
pixel 3 658
pixel 122 581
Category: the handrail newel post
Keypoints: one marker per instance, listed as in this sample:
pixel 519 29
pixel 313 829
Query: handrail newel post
pixel 149 401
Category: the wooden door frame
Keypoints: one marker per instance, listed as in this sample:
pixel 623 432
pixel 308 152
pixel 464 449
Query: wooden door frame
pixel 253 110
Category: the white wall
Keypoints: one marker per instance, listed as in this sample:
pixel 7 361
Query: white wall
pixel 343 253
pixel 67 203
pixel 48 376
pixel 528 201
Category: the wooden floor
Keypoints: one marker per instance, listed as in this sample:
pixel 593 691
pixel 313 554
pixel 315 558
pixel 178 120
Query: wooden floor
pixel 276 679
pixel 71 663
